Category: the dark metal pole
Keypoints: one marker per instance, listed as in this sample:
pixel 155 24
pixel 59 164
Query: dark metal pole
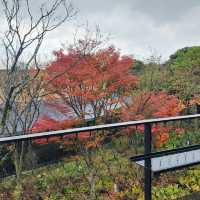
pixel 147 162
pixel 198 108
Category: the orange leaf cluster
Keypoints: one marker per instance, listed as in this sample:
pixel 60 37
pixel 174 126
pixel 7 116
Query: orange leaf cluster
pixel 49 124
pixel 152 105
pixel 93 79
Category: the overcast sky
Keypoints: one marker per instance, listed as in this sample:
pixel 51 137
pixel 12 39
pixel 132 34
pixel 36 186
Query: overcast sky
pixel 137 27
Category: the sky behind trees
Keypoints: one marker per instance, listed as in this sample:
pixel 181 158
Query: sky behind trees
pixel 137 27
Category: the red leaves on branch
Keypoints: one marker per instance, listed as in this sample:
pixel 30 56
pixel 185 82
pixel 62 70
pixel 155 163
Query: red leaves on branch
pixel 89 84
pixel 92 79
pixel 152 105
pixel 46 123
pixel 93 83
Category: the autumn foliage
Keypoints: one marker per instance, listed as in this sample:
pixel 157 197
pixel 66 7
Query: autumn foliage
pixel 90 84
pixel 152 105
pixel 94 84
pixel 48 124
pixel 145 105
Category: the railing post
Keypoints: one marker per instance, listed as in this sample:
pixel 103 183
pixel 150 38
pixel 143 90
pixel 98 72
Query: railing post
pixel 147 162
pixel 198 108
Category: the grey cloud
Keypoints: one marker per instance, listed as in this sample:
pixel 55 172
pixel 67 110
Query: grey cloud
pixel 165 11
pixel 138 25
pixel 135 25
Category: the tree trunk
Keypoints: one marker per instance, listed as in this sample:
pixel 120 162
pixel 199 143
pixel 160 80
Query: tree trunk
pixel 18 160
pixel 91 181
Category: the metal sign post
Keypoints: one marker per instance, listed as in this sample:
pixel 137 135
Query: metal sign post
pixel 162 161
pixel 147 164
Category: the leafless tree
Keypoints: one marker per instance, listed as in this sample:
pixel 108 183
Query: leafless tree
pixel 21 86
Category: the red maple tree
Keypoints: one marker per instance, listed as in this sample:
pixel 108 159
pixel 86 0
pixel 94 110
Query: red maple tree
pixel 147 105
pixel 90 84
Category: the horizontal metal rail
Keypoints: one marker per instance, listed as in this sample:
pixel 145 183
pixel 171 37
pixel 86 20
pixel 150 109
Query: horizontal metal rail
pixel 24 137
pixel 165 153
